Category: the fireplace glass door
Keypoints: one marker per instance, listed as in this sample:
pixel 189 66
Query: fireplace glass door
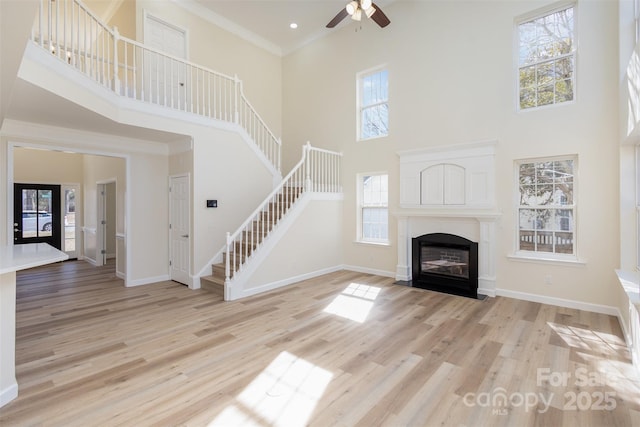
pixel 444 261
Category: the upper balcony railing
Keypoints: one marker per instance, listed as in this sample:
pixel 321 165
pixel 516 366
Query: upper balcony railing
pixel 71 32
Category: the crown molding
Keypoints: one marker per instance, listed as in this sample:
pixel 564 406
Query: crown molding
pixel 227 25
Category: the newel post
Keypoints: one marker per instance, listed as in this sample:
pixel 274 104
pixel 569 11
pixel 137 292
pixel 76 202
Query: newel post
pixel 116 79
pixel 306 152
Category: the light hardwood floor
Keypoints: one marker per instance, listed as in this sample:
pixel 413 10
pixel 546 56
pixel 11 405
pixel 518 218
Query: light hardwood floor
pixel 344 349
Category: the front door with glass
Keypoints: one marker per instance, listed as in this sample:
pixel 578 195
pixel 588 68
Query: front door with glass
pixel 36 216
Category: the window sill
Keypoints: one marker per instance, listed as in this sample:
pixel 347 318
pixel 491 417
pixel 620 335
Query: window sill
pixel 546 260
pixel 370 243
pixel 372 138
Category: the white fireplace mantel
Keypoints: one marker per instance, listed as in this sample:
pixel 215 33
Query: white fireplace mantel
pixel 450 189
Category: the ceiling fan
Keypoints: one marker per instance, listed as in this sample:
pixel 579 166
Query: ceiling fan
pixel 356 8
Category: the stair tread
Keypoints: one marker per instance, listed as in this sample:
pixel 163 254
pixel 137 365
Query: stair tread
pixel 212 284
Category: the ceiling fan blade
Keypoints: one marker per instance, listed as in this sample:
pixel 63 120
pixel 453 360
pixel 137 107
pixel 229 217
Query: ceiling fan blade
pixel 379 17
pixel 339 17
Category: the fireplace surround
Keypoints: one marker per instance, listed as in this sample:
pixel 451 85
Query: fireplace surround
pixel 446 263
pixel 449 189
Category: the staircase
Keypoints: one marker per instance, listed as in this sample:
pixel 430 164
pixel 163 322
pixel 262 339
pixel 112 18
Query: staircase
pixel 252 238
pixel 317 172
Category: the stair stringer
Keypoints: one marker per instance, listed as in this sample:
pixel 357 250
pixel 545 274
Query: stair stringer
pixel 243 283
pixel 48 72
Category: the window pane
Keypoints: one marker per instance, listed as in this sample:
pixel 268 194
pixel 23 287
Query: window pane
pixel 528 98
pixel 545 219
pixel 374 121
pixel 564 219
pixel 543 195
pixel 44 213
pixel 564 243
pixel 546 95
pixel 70 220
pixel 527 219
pixel 546 73
pixel 544 241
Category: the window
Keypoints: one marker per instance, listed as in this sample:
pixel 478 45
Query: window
pixel 373 97
pixel 546 59
pixel 373 212
pixel 547 209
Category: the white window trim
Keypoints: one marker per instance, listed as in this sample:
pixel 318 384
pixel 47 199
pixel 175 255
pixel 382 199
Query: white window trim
pixel 547 10
pixel 359 77
pixel 359 206
pixel 546 257
pixel 637 172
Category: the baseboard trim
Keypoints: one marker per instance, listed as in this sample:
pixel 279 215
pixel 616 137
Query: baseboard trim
pixel 560 302
pixel 281 283
pixel 90 261
pixel 8 394
pixel 367 270
pixel 146 281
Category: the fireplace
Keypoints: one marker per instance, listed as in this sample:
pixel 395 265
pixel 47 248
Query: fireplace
pixel 445 263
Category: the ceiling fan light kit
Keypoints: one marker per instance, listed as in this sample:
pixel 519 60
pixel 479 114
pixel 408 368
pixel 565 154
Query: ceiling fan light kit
pixel 355 8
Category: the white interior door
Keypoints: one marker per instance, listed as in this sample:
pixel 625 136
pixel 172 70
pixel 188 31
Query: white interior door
pixel 166 78
pixel 179 225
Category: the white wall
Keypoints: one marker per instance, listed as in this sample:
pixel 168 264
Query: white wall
pixel 452 79
pixel 310 244
pixel 225 169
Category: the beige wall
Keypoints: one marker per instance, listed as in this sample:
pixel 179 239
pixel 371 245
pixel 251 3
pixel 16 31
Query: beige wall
pixel 103 169
pixel 46 167
pixel 452 80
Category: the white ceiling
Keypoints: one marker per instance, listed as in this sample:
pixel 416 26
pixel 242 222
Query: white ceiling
pixel 266 22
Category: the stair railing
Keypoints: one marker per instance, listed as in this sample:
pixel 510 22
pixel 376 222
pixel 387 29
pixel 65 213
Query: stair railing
pixel 75 35
pixel 317 171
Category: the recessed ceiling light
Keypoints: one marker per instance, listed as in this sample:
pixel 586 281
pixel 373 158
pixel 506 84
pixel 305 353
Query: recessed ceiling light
pixel 293 25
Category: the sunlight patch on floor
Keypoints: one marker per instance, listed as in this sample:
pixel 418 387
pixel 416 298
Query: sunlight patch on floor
pixel 354 303
pixel 285 393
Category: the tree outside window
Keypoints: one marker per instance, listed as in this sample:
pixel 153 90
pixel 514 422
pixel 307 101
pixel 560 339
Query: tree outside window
pixel 546 59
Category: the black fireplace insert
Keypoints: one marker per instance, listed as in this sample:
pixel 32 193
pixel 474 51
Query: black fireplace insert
pixel 445 263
